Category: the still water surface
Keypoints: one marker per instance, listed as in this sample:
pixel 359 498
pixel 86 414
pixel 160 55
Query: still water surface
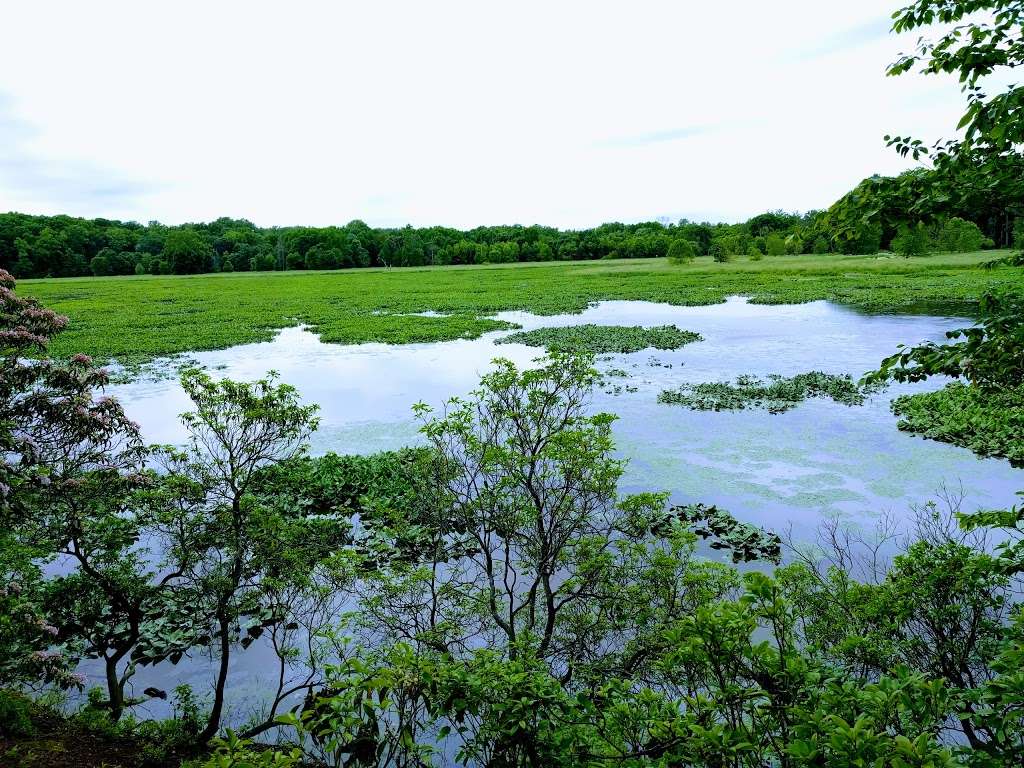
pixel 819 458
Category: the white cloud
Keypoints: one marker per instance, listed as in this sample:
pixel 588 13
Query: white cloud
pixel 456 113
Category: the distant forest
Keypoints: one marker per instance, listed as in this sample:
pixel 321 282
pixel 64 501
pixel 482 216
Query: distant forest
pixel 957 216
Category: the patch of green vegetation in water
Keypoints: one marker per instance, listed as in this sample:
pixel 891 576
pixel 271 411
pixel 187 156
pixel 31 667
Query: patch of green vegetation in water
pixel 777 394
pixel 603 339
pixel 988 423
pixel 132 319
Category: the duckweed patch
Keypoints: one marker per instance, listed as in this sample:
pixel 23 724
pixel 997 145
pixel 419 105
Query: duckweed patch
pixel 987 423
pixel 603 339
pixel 777 394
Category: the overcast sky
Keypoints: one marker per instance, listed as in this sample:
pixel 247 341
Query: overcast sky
pixel 453 113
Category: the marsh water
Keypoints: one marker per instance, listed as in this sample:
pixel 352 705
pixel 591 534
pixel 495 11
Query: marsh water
pixel 794 469
pixel 821 458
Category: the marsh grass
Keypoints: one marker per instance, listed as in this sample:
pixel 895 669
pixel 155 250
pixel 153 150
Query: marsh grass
pixel 137 318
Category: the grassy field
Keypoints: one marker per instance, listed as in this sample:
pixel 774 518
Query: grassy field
pixel 133 319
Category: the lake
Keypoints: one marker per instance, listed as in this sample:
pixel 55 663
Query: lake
pixel 821 458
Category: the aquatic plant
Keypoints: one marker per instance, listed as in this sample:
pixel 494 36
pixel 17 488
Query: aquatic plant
pixel 985 414
pixel 603 339
pixel 776 395
pixel 988 423
pixel 747 543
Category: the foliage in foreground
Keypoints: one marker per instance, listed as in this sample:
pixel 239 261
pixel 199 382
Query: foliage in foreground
pixel 555 626
pixel 505 605
pixel 776 395
pixel 603 339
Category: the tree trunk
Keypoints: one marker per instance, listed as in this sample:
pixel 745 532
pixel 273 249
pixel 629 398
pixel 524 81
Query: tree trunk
pixel 115 692
pixel 213 723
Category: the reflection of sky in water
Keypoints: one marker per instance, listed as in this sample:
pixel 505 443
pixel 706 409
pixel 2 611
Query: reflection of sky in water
pixel 820 458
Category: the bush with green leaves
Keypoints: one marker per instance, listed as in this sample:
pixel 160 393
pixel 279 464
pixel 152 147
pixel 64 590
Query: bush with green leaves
pixel 775 244
pixel 15 714
pixel 719 253
pixel 754 253
pixel 912 241
pixel 681 251
pixel 960 236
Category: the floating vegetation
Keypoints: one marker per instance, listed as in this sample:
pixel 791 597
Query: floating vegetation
pixel 988 423
pixel 603 339
pixel 777 394
pixel 618 389
pixel 746 542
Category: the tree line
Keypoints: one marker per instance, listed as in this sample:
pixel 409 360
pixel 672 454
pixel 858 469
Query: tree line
pixel 866 220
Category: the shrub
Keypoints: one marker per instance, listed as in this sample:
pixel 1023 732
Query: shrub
pixel 680 252
pixel 775 245
pixel 15 714
pixel 794 244
pixel 718 253
pixel 1018 235
pixel 754 253
pixel 912 241
pixel 820 245
pixel 960 236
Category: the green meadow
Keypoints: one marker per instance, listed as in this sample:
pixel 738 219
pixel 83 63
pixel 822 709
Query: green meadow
pixel 134 319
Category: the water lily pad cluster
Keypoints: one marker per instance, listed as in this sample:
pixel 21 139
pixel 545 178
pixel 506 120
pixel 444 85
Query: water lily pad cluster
pixel 744 541
pixel 776 394
pixel 603 339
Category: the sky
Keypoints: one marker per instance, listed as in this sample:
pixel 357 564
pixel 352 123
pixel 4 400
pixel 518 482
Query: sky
pixel 460 114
